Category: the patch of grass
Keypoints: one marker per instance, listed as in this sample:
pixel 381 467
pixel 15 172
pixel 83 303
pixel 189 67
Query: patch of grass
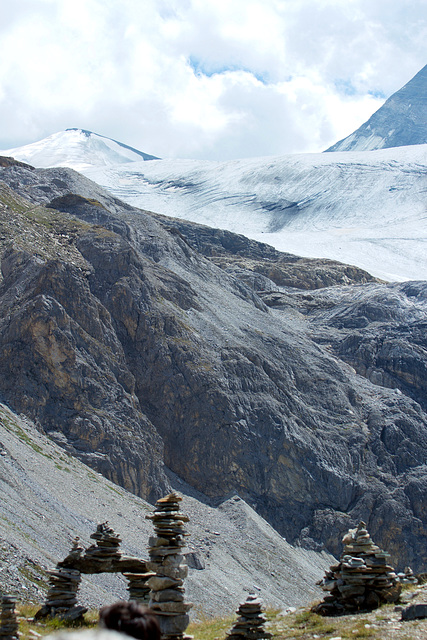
pixel 29 629
pixel 58 466
pixel 313 623
pixel 41 581
pixel 22 435
pixel 119 493
pixel 211 629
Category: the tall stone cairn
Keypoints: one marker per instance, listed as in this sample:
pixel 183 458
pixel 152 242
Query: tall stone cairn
pixel 107 547
pixel 64 582
pixel 361 580
pixel 250 623
pixel 167 561
pixel 8 621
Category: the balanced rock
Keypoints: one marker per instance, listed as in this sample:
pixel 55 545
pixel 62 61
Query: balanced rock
pixel 167 562
pixel 250 623
pixel 75 554
pixel 8 621
pixel 362 579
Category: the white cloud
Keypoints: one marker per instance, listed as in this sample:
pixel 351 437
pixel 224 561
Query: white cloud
pixel 204 78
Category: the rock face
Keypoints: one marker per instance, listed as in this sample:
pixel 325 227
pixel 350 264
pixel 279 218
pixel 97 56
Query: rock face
pixel 261 266
pixel 399 122
pixel 132 350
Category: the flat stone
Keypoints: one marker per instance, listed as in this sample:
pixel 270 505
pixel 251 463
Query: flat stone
pixel 170 607
pixel 168 595
pixel 414 612
pixel 158 583
pixel 177 573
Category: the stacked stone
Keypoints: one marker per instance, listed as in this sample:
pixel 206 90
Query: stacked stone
pixel 138 588
pixel 250 623
pixel 361 580
pixel 107 546
pixel 74 555
pixel 64 582
pixel 168 563
pixel 407 576
pixel 8 621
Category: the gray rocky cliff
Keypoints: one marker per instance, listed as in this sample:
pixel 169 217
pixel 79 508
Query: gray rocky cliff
pixel 399 122
pixel 132 348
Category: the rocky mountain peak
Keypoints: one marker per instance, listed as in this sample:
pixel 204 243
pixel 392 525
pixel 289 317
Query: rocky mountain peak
pixel 401 121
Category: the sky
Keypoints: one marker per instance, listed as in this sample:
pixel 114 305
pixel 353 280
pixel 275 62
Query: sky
pixel 204 79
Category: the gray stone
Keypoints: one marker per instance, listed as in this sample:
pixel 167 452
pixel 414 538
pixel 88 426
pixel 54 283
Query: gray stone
pixel 173 625
pixel 415 611
pixel 156 583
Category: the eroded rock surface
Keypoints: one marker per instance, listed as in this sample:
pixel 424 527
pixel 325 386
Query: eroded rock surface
pixel 132 348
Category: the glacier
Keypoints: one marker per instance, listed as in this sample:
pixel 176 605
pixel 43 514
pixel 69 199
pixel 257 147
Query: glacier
pixel 363 208
pixel 367 208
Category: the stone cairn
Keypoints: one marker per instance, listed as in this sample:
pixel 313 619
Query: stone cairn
pixel 107 547
pixel 64 582
pixel 168 563
pixel 103 557
pixel 407 576
pixel 250 623
pixel 361 580
pixel 8 621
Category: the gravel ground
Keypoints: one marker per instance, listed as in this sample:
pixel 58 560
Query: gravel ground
pixel 48 498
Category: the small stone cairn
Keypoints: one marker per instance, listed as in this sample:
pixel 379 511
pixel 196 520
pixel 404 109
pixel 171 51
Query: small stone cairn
pixel 407 576
pixel 64 582
pixel 8 621
pixel 168 563
pixel 107 547
pixel 250 623
pixel 361 580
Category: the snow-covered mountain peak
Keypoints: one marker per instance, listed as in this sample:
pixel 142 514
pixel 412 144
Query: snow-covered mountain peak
pixel 401 121
pixel 77 148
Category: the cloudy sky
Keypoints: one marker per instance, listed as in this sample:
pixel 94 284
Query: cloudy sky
pixel 214 79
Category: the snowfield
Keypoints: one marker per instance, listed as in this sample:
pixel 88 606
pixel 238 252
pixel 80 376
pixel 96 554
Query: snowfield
pixel 365 208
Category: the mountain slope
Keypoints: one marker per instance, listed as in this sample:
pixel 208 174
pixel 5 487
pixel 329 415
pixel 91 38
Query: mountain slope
pixel 48 498
pixel 365 208
pixel 135 350
pixel 79 149
pixel 401 121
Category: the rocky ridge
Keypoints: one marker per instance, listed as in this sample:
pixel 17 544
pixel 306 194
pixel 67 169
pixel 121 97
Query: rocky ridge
pixel 399 122
pixel 143 355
